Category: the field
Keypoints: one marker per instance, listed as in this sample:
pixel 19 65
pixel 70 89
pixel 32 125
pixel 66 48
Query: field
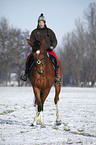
pixel 77 111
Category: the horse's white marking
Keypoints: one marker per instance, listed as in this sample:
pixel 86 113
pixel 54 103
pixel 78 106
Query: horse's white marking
pixel 36 118
pixel 57 112
pixel 38 52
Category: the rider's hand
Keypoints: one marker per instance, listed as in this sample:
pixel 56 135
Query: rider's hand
pixel 50 48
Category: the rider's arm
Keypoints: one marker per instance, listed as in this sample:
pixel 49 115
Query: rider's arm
pixel 32 37
pixel 53 39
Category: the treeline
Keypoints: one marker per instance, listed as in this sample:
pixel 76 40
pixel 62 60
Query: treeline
pixel 78 53
pixel 13 51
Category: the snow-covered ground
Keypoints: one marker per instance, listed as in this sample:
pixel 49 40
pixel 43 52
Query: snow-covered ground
pixel 77 110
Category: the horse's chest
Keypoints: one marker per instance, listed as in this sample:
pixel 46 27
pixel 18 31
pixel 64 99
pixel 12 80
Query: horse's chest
pixel 45 80
pixel 42 82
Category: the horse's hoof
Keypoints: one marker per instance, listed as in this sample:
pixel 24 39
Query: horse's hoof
pixel 58 122
pixel 32 124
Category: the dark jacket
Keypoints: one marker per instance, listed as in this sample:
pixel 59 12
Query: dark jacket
pixel 38 35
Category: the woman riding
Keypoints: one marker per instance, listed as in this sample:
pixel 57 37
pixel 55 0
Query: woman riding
pixel 37 36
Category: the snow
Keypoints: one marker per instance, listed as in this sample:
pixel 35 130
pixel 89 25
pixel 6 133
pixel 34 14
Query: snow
pixel 77 111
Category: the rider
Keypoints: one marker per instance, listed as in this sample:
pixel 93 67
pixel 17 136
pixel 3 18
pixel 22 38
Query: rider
pixel 50 43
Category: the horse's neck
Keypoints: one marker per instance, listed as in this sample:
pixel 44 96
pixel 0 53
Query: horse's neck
pixel 47 60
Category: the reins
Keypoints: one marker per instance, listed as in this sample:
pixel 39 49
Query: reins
pixel 40 62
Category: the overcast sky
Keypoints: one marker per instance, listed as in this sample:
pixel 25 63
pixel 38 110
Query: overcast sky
pixel 60 14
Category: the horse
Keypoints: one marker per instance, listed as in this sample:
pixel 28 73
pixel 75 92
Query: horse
pixel 42 78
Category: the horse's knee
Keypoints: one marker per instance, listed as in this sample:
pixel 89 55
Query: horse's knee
pixel 40 108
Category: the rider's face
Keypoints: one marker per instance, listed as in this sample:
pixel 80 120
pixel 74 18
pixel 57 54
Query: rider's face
pixel 41 24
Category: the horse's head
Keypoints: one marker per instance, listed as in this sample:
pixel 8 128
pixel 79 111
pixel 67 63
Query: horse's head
pixel 39 53
pixel 37 48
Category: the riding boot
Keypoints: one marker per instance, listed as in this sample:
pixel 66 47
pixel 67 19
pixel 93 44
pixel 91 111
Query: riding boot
pixel 57 78
pixel 24 77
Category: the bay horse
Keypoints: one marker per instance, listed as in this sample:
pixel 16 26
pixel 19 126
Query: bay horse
pixel 42 78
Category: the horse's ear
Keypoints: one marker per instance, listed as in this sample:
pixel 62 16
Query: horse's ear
pixel 43 41
pixel 30 43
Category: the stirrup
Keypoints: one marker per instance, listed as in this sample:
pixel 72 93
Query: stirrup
pixel 23 77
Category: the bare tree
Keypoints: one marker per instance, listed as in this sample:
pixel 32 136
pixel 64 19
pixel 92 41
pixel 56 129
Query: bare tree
pixel 78 53
pixel 13 50
pixel 90 17
pixel 3 49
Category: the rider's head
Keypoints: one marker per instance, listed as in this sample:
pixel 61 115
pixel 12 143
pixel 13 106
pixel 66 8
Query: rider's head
pixel 41 21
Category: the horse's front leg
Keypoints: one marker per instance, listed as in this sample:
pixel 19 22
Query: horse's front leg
pixel 39 105
pixel 36 119
pixel 57 114
pixel 56 100
pixel 40 118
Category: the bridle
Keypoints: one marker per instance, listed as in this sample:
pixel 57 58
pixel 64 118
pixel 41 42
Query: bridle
pixel 38 62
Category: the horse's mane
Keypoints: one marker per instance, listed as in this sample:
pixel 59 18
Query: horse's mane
pixel 36 45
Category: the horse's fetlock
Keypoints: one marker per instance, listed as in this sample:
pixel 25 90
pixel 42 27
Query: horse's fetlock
pixel 40 108
pixel 55 101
